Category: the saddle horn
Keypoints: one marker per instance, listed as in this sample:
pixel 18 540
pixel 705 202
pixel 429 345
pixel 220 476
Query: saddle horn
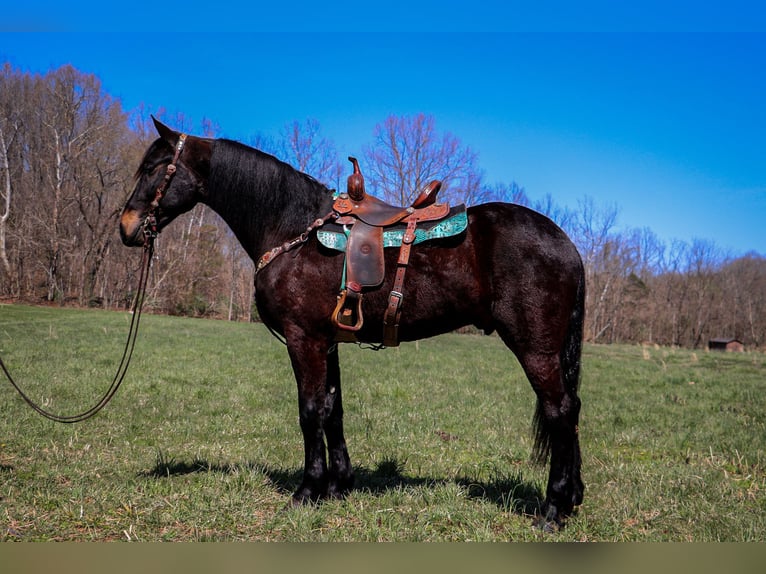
pixel 355 183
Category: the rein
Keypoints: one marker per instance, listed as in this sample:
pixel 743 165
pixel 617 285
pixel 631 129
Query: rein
pixel 150 231
pixel 122 369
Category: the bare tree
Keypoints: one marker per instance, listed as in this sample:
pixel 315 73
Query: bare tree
pixel 66 157
pixel 643 318
pixel 10 124
pixel 701 274
pixel 6 196
pixel 507 192
pixel 88 173
pixel 68 151
pixel 562 216
pixel 303 146
pixel 592 232
pixel 408 152
pixel 745 282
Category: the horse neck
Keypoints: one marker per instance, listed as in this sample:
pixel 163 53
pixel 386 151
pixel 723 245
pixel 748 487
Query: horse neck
pixel 264 201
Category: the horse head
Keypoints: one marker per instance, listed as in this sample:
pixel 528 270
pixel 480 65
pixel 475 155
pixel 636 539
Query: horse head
pixel 169 181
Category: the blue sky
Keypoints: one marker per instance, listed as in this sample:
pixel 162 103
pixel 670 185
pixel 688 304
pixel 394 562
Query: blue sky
pixel 663 116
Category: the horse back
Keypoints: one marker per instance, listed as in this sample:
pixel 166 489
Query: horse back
pixel 452 282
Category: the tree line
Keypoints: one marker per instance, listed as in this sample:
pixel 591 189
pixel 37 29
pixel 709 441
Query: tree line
pixel 68 152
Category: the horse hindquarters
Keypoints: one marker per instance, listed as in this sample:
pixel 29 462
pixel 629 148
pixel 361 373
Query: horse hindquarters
pixel 556 381
pixel 538 306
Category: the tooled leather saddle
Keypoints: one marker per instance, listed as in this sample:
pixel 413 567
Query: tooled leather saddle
pixel 365 220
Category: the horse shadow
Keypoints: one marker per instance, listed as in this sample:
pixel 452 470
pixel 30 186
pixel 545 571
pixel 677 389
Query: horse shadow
pixel 511 493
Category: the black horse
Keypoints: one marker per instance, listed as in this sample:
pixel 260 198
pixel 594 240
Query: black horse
pixel 512 271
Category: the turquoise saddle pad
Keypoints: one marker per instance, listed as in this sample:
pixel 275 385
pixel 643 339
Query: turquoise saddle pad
pixel 334 237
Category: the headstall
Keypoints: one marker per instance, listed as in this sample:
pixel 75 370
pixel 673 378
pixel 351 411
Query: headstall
pixel 150 221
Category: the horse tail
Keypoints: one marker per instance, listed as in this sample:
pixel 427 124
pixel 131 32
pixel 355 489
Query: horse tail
pixel 572 351
pixel 569 358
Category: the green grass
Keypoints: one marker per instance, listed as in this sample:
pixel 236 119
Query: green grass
pixel 202 441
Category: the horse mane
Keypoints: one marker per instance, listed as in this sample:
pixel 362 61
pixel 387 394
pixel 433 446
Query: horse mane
pixel 247 183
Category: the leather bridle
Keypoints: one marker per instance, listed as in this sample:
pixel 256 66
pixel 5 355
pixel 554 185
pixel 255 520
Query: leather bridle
pixel 149 225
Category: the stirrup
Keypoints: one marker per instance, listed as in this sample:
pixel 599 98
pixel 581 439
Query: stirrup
pixel 347 315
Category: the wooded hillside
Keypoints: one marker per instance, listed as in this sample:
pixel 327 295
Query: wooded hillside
pixel 68 152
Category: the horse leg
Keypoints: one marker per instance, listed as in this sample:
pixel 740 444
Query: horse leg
pixel 341 476
pixel 308 358
pixel 545 333
pixel 556 421
pixel 320 411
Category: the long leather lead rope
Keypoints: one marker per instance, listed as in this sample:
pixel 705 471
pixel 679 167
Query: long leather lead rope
pixel 150 234
pixel 122 369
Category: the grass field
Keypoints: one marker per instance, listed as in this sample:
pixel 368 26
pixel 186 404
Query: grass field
pixel 202 441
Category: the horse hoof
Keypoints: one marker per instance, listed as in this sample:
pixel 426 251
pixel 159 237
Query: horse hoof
pixel 304 496
pixel 547 526
pixel 338 490
pixel 551 520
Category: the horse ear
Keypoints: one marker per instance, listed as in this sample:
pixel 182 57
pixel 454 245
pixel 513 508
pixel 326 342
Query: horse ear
pixel 165 132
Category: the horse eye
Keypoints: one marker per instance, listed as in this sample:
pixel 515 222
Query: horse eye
pixel 150 169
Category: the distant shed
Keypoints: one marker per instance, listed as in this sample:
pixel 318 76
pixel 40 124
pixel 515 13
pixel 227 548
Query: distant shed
pixel 730 345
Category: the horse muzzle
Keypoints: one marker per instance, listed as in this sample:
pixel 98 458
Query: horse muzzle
pixel 131 228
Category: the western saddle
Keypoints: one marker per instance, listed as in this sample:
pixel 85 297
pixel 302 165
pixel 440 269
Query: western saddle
pixel 364 218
